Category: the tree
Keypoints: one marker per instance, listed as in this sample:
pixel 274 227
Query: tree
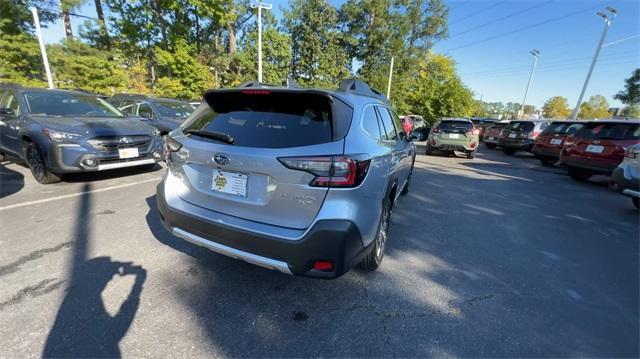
pixel 438 91
pixel 631 111
pixel 180 75
pixel 20 60
pixel 596 107
pixel 631 94
pixel 66 6
pixel 556 107
pixel 318 59
pixel 16 18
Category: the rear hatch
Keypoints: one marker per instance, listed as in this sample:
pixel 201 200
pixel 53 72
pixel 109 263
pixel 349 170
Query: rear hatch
pixel 605 141
pixel 456 131
pixel 247 178
pixel 518 130
pixel 494 131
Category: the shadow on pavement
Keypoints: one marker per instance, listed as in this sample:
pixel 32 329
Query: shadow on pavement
pixel 11 182
pixel 83 327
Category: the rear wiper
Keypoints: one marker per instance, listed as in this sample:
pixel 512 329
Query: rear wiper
pixel 214 135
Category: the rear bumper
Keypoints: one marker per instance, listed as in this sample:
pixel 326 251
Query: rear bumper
pixel 546 152
pixel 520 145
pixel 600 167
pixel 338 241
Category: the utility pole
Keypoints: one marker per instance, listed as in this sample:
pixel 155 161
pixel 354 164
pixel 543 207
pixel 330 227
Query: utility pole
pixel 260 5
pixel 607 24
pixel 390 75
pixel 535 54
pixel 43 51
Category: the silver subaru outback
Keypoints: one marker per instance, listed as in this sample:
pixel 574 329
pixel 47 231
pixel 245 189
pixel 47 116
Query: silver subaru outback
pixel 298 180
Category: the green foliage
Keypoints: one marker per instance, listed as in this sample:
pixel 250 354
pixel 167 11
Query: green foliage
pixel 631 111
pixel 180 75
pixel 76 65
pixel 318 59
pixel 556 107
pixel 438 92
pixel 20 61
pixel 596 107
pixel 631 93
pixel 16 18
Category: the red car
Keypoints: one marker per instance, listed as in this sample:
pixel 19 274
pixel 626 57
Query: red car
pixel 599 147
pixel 550 142
pixel 407 124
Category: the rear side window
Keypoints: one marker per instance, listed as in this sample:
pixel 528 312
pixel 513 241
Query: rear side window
pixel 521 126
pixel 610 131
pixel 370 123
pixel 387 122
pixel 265 119
pixel 572 128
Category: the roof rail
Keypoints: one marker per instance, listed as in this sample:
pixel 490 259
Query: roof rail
pixel 361 88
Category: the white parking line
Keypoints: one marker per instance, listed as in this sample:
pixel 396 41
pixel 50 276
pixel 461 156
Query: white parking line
pixel 29 203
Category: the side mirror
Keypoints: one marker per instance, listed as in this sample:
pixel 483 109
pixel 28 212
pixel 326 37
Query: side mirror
pixel 417 135
pixel 6 112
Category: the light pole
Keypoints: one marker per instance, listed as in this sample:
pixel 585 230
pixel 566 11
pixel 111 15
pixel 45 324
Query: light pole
pixel 390 75
pixel 43 51
pixel 607 24
pixel 260 5
pixel 535 54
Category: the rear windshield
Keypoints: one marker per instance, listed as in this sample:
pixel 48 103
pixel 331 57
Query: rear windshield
pixel 498 126
pixel 610 131
pixel 266 119
pixel 555 127
pixel 455 126
pixel 521 126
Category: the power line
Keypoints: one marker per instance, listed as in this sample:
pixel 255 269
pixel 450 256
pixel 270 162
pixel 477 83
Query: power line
pixel 502 18
pixel 523 28
pixel 621 40
pixel 479 12
pixel 555 69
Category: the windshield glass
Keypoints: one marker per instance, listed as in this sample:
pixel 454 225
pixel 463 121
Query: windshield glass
pixel 173 109
pixel 455 126
pixel 68 104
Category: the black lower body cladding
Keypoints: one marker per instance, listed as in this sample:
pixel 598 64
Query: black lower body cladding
pixel 337 241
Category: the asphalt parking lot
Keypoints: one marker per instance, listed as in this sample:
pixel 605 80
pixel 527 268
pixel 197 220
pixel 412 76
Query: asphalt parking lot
pixel 496 256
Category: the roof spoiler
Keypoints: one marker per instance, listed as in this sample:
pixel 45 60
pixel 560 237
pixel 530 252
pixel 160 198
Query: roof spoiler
pixel 361 88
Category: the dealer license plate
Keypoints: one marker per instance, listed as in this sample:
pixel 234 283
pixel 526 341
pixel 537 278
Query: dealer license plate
pixel 128 152
pixel 234 183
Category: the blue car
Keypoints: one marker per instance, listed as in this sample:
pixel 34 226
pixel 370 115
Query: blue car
pixel 58 131
pixel 165 114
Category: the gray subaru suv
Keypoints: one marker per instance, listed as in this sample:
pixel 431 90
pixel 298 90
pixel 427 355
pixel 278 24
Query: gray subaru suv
pixel 297 180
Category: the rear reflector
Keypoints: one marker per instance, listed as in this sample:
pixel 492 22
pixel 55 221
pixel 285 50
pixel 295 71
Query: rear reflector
pixel 325 266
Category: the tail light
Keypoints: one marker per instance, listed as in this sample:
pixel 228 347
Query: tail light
pixel 330 171
pixel 473 131
pixel 533 135
pixel 436 130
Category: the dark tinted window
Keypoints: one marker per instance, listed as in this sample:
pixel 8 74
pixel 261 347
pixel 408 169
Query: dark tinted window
pixel 521 126
pixel 610 131
pixel 9 100
pixel 266 119
pixel 144 110
pixel 555 127
pixel 498 126
pixel 387 122
pixel 370 123
pixel 455 126
pixel 570 129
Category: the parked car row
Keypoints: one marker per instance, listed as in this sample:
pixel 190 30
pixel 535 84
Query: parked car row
pixel 585 148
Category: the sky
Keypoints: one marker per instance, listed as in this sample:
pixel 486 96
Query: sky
pixel 490 41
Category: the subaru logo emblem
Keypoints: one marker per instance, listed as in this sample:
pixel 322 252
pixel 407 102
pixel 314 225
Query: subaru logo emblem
pixel 125 140
pixel 221 158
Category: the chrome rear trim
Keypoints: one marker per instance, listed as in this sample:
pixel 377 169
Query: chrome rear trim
pixel 232 252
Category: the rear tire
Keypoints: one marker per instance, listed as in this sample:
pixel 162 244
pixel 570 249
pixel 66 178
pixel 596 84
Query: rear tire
pixel 508 151
pixel 471 155
pixel 579 175
pixel 374 258
pixel 491 146
pixel 636 202
pixel 405 189
pixel 546 161
pixel 38 167
pixel 429 150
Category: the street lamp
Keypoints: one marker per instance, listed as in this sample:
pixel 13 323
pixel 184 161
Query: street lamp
pixel 260 5
pixel 43 51
pixel 535 54
pixel 607 23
